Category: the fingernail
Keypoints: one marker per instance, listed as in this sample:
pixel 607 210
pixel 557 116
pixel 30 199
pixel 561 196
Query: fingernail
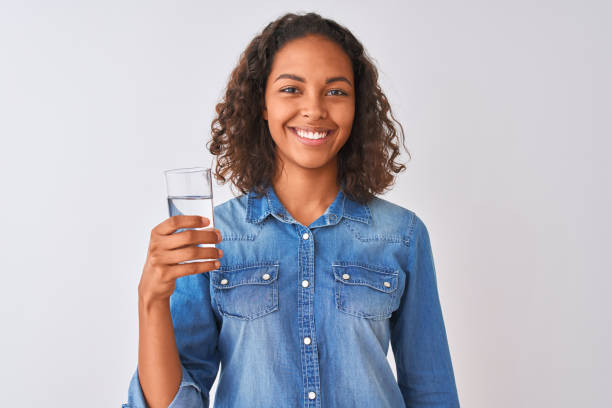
pixel 220 253
pixel 219 235
pixel 217 263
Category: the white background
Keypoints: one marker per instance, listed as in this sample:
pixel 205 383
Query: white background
pixel 507 113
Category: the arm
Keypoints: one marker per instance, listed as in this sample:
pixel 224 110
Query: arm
pixel 159 366
pixel 418 336
pixel 178 358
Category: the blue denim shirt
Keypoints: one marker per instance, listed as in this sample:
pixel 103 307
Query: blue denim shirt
pixel 302 316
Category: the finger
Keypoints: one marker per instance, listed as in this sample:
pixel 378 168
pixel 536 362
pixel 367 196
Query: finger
pixel 190 253
pixel 171 224
pixel 176 271
pixel 190 237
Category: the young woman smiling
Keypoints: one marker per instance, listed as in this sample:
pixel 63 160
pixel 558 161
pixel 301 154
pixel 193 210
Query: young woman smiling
pixel 309 107
pixel 318 275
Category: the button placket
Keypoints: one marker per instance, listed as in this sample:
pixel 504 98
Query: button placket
pixel 309 352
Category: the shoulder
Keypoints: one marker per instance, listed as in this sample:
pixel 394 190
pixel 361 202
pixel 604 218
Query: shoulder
pixel 230 219
pixel 391 216
pixel 232 206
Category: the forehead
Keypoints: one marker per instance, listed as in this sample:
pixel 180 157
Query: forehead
pixel 312 54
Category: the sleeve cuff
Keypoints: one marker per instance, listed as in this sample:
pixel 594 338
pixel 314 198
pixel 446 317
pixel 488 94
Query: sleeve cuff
pixel 188 395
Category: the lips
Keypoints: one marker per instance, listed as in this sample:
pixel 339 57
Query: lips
pixel 312 129
pixel 312 142
pixel 295 129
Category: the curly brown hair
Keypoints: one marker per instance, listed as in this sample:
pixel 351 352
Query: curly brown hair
pixel 241 137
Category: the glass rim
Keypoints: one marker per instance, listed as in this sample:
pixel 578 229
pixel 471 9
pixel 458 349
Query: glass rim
pixel 186 170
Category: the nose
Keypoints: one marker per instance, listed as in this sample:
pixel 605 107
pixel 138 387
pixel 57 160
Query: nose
pixel 314 108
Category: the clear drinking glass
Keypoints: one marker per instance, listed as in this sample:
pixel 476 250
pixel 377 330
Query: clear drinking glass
pixel 190 193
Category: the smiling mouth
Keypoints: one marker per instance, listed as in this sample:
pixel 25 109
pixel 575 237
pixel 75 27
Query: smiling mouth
pixel 311 135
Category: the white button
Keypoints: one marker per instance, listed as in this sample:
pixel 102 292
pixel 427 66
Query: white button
pixel 305 283
pixel 345 276
pixel 224 281
pixel 305 236
pixel 387 284
pixel 266 276
pixel 312 395
pixel 306 340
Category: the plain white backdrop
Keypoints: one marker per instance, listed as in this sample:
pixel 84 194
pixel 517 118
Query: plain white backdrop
pixel 507 114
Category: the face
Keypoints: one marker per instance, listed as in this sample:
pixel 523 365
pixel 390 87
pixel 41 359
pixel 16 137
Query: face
pixel 310 102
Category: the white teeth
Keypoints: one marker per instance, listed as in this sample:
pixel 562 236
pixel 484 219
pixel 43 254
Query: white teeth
pixel 311 135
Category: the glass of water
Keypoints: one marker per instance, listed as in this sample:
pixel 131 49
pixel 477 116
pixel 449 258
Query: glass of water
pixel 190 193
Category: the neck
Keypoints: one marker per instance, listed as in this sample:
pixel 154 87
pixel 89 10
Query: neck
pixel 306 193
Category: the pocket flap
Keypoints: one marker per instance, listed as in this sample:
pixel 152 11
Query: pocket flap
pixel 230 277
pixel 383 280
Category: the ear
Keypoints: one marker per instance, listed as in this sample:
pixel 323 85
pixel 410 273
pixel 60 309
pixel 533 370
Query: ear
pixel 265 113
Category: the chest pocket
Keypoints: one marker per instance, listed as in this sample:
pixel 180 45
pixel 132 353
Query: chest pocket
pixel 246 291
pixel 365 290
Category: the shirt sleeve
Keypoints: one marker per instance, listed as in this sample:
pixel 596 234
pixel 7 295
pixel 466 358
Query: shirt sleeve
pixel 188 395
pixel 196 333
pixel 418 336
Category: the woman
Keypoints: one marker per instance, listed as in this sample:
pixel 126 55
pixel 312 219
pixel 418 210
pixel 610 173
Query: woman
pixel 317 275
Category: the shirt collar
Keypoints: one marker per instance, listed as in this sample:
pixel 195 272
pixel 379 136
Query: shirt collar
pixel 269 204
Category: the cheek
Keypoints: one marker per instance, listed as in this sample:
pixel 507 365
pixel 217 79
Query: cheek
pixel 346 122
pixel 277 110
pixel 344 113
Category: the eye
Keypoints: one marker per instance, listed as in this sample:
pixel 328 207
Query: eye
pixel 338 90
pixel 290 87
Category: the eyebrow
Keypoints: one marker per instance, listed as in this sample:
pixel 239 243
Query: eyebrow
pixel 327 81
